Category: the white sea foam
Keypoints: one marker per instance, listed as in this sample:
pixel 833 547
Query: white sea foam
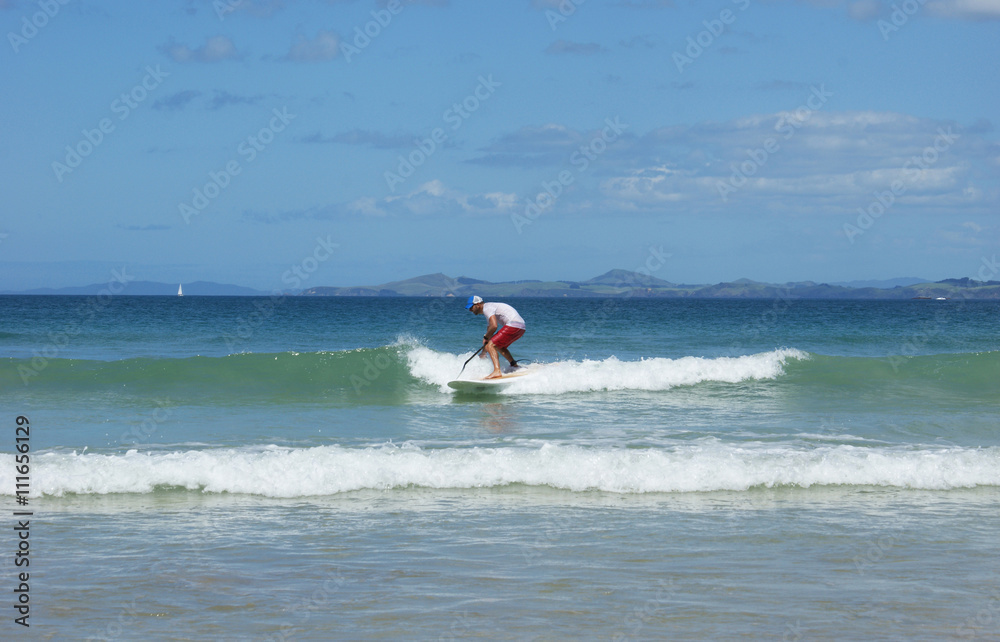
pixel 708 465
pixel 608 374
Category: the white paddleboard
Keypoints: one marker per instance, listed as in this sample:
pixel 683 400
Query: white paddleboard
pixel 489 385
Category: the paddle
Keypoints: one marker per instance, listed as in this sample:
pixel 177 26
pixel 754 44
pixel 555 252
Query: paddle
pixel 470 359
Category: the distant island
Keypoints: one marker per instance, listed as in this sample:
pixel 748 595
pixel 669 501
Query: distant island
pixel 613 284
pixel 622 283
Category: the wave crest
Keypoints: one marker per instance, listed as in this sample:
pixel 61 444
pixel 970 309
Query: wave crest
pixel 329 470
pixel 609 374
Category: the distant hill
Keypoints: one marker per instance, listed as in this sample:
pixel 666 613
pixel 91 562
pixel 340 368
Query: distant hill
pixel 426 285
pixel 624 277
pixel 623 283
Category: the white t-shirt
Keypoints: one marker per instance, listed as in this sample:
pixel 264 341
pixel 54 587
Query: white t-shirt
pixel 505 315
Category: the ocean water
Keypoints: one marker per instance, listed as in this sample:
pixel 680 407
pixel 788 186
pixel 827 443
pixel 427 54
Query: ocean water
pixel 297 468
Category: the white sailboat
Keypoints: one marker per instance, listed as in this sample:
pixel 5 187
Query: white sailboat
pixel 180 291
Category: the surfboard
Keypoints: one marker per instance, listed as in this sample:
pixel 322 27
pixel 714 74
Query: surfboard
pixel 488 385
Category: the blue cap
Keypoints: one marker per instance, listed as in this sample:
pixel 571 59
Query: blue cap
pixel 473 300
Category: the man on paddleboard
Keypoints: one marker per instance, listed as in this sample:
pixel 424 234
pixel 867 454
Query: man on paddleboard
pixel 511 327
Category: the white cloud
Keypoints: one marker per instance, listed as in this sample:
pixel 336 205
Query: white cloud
pixel 430 199
pixel 366 206
pixel 823 162
pixel 828 161
pixel 574 48
pixel 215 49
pixel 966 9
pixel 435 198
pixel 864 9
pixel 325 46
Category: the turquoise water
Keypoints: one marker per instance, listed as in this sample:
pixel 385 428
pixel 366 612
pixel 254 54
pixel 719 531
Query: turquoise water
pixel 297 468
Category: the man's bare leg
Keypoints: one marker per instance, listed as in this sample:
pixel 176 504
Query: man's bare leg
pixel 492 350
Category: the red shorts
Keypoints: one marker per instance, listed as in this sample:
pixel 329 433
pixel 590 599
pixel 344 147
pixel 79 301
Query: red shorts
pixel 506 336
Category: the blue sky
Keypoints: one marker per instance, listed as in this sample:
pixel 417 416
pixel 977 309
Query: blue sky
pixel 369 141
